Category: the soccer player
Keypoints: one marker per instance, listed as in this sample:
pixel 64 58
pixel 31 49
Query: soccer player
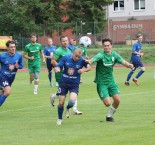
pixel 48 54
pixel 106 85
pixel 71 46
pixel 33 52
pixel 10 62
pixel 58 54
pixel 136 60
pixel 74 65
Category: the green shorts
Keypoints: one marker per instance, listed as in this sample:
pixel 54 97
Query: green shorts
pixel 34 69
pixel 105 91
pixel 58 76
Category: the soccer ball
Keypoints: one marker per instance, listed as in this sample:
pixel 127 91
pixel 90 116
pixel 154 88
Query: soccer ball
pixel 85 41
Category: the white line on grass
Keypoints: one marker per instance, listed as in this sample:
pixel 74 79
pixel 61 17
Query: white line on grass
pixel 21 109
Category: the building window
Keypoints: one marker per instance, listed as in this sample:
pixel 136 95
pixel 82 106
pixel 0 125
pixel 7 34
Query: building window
pixel 139 4
pixel 118 5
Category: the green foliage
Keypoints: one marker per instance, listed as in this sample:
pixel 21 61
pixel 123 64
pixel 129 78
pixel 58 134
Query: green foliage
pixel 25 17
pixel 89 13
pixel 43 16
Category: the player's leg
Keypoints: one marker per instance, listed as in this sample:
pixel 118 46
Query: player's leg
pixel 142 70
pixel 129 76
pixel 114 93
pixel 62 91
pixel 49 68
pixel 54 96
pixel 75 109
pixel 71 102
pixel 36 82
pixel 5 89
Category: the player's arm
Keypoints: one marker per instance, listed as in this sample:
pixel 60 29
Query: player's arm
pixel 27 57
pixel 137 52
pixel 19 64
pixel 42 56
pixel 84 69
pixel 60 64
pixel 127 64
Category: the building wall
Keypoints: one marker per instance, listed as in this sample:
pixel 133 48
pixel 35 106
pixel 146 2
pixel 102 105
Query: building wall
pixel 128 12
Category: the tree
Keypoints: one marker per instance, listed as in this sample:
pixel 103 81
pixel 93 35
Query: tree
pixel 89 12
pixel 27 16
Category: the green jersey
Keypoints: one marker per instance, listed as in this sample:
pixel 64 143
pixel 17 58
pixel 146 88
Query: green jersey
pixel 84 50
pixel 33 50
pixel 104 67
pixel 60 52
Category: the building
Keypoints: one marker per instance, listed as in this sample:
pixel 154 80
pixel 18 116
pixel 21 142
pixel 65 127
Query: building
pixel 127 18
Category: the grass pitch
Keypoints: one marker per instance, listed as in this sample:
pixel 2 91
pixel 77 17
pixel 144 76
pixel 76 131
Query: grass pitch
pixel 27 119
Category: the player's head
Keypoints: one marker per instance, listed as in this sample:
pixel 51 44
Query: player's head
pixel 33 38
pixel 74 42
pixel 11 47
pixel 64 41
pixel 49 41
pixel 77 53
pixel 107 45
pixel 139 37
pixel 71 41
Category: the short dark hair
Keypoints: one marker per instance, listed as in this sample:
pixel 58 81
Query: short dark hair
pixel 10 42
pixel 107 39
pixel 138 35
pixel 33 34
pixel 61 37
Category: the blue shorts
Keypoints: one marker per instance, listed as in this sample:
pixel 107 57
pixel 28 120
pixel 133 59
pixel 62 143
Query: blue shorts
pixel 4 81
pixel 64 88
pixel 49 66
pixel 136 64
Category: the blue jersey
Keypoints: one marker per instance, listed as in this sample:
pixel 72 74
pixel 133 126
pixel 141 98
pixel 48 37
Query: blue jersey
pixel 71 47
pixel 70 73
pixel 6 60
pixel 136 47
pixel 47 52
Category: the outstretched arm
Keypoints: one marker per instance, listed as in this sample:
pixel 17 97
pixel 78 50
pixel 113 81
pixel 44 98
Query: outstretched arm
pixel 127 64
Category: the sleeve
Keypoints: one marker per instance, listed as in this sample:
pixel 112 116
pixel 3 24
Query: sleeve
pixel 20 62
pixel 26 48
pixel 56 54
pixel 0 58
pixel 134 47
pixel 97 57
pixel 41 47
pixel 44 51
pixel 119 59
pixel 62 62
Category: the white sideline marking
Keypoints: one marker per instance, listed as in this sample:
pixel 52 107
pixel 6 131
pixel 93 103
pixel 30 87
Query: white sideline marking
pixel 20 109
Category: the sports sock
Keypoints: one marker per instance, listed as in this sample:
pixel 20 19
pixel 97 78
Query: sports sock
pixel 139 74
pixel 60 112
pixel 50 76
pixel 35 88
pixel 54 96
pixel 70 104
pixel 75 106
pixel 2 99
pixel 111 111
pixel 129 75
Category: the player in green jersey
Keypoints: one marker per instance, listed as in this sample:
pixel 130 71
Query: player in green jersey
pixel 33 53
pixel 58 54
pixel 106 85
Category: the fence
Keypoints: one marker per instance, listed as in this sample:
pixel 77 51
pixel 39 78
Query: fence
pixel 121 32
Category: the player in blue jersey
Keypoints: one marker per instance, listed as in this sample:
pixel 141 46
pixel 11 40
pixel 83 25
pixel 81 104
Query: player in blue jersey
pixel 71 45
pixel 10 62
pixel 48 54
pixel 74 65
pixel 136 60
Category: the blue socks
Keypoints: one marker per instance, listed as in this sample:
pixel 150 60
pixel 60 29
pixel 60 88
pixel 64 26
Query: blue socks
pixel 50 76
pixel 129 76
pixel 2 99
pixel 60 112
pixel 139 74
